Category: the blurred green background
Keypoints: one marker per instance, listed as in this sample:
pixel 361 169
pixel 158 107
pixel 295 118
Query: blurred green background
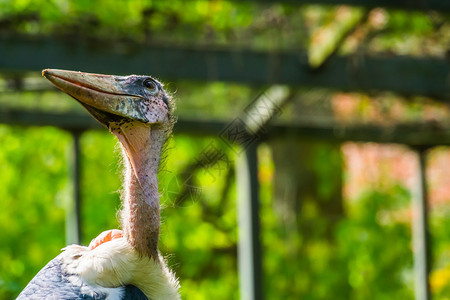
pixel 336 218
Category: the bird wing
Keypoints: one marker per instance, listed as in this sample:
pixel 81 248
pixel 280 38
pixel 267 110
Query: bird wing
pixel 133 293
pixel 55 282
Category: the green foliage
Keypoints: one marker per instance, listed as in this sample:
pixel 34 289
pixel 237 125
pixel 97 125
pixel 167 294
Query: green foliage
pixel 321 29
pixel 368 255
pixel 33 190
pixel 100 183
pixel 377 250
pixel 440 242
pixel 199 227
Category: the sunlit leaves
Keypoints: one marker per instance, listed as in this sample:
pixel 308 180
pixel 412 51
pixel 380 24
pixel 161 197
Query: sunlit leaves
pixel 32 171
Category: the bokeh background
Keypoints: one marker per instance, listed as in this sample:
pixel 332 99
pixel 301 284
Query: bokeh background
pixel 335 210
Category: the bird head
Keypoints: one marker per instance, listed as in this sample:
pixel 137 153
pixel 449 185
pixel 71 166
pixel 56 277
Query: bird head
pixel 114 99
pixel 129 106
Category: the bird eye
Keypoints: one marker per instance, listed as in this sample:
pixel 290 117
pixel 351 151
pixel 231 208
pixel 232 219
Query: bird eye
pixel 151 85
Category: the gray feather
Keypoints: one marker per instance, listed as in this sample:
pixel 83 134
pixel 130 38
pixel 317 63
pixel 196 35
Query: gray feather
pixel 52 282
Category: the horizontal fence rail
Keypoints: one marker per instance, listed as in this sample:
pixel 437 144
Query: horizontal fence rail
pixel 413 134
pixel 401 74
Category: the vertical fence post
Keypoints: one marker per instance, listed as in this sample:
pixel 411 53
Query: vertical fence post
pixel 73 211
pixel 420 231
pixel 249 248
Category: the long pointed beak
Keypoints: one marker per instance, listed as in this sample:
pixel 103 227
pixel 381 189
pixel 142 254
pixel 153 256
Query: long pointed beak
pixel 104 96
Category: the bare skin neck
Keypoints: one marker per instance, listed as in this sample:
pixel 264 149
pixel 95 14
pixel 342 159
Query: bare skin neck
pixel 141 146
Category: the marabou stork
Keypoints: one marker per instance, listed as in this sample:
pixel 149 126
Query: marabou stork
pixel 118 264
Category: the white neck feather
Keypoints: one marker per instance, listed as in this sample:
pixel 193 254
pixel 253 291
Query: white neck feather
pixel 116 263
